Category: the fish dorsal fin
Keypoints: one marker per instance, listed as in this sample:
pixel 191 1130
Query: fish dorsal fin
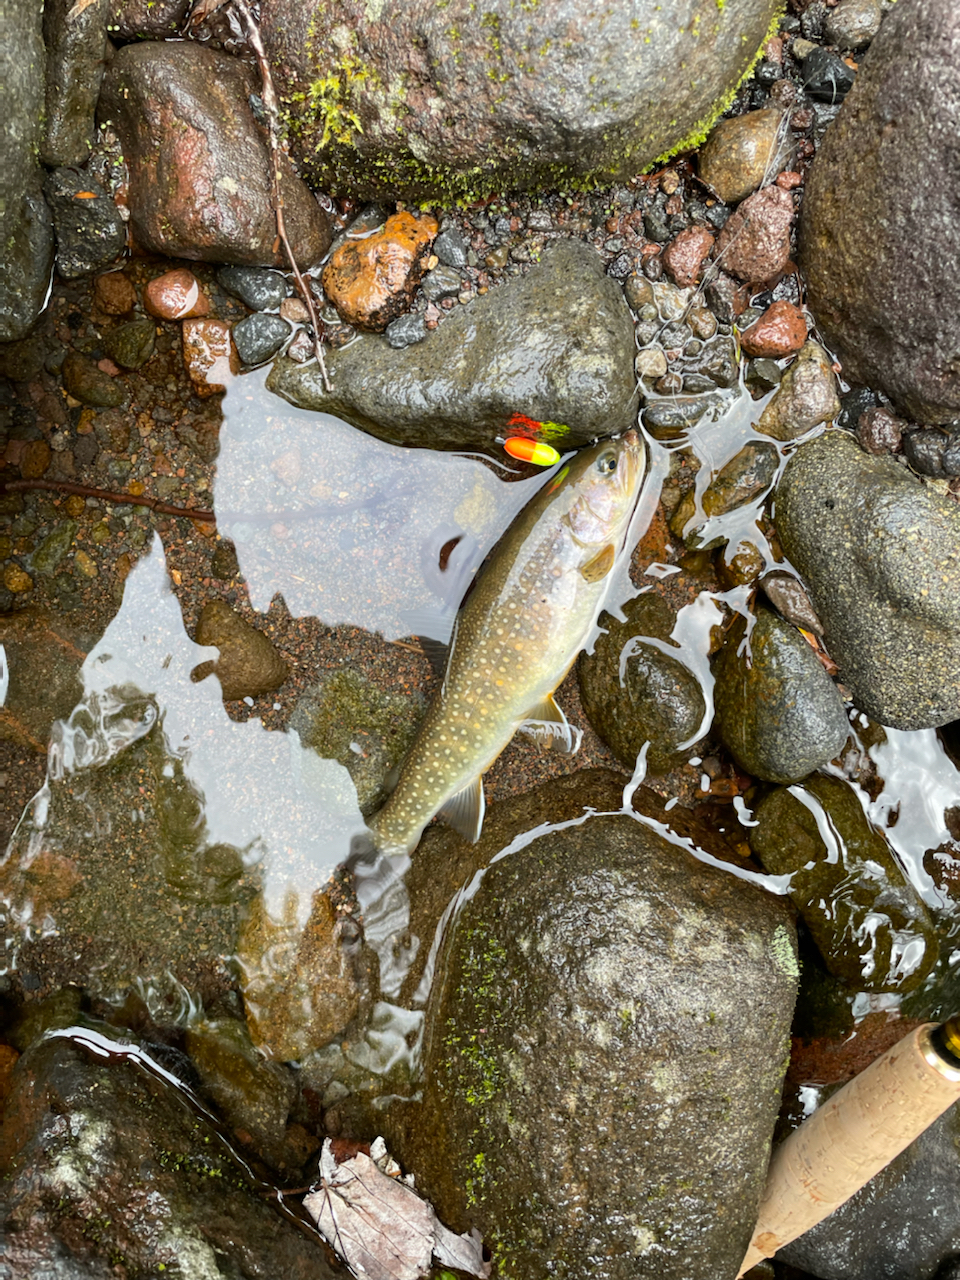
pixel 465 810
pixel 599 565
pixel 548 727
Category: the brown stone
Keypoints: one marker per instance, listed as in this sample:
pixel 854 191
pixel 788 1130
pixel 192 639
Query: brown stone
pixel 44 658
pixel 684 256
pixel 16 580
pixel 209 355
pixel 114 293
pixel 880 431
pixel 371 281
pixel 736 157
pixel 754 244
pixel 780 331
pixel 35 460
pixel 175 295
pixel 248 664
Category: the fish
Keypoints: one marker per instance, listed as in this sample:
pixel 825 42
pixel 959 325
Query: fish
pixel 532 609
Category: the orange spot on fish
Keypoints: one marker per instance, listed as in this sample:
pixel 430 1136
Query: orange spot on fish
pixel 535 451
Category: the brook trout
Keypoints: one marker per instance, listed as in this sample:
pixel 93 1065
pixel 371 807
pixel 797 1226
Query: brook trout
pixel 516 637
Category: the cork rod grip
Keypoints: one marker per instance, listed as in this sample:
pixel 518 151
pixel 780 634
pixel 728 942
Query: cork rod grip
pixel 854 1135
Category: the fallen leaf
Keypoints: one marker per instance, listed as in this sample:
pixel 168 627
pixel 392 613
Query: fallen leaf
pixel 78 8
pixel 379 1225
pixel 202 9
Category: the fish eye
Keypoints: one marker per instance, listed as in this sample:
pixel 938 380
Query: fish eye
pixel 607 464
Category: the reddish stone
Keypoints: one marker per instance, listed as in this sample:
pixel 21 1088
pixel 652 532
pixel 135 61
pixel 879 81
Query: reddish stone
pixel 209 355
pixel 114 293
pixel 371 281
pixel 789 179
pixel 176 295
pixel 754 244
pixel 684 256
pixel 780 331
pixel 880 431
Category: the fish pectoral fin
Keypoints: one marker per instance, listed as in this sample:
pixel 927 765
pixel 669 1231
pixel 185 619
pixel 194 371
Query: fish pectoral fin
pixel 600 565
pixel 549 728
pixel 465 810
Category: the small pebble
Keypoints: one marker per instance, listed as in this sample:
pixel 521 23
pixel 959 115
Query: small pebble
pixel 209 355
pixel 684 256
pixel 259 288
pixel 294 310
pixel 650 363
pixel 442 282
pixel 406 330
pixel 780 331
pixel 451 248
pixel 175 295
pixel 880 431
pixel 853 23
pixel 259 337
pixel 114 293
pixel 16 580
pixel 826 76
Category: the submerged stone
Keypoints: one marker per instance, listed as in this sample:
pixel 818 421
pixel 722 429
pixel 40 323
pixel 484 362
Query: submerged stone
pixel 132 344
pixel 880 555
pixel 609 1032
pixel 866 918
pixel 777 711
pixel 248 665
pixel 555 346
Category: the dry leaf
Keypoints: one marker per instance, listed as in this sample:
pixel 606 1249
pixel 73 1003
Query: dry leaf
pixel 78 8
pixel 380 1227
pixel 203 9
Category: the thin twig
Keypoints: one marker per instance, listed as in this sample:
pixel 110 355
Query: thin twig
pixel 105 495
pixel 273 122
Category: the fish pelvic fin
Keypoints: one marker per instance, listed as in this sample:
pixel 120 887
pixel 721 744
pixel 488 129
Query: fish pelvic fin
pixel 599 565
pixel 548 727
pixel 464 811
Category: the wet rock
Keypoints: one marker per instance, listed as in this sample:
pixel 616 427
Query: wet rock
pixel 555 345
pixel 788 597
pixel 673 415
pixel 406 330
pixel 826 76
pixel 259 337
pixel 880 431
pixel 252 1094
pixel 301 984
pixel 684 256
pixel 726 297
pixel 131 345
pixel 224 564
pixel 747 475
pixel 904 1222
pixel 866 918
pixel 76 39
pixel 933 452
pixel 780 331
pixel 864 242
pixel 43 658
pixel 635 693
pixel 147 19
pixel 754 244
pixel 651 363
pixel 25 227
pixel 739 153
pixel 371 281
pixel 248 665
pixel 16 580
pixel 761 376
pixel 201 188
pixel 90 232
pixel 348 718
pixel 879 553
pixel 807 396
pixel 48 556
pixel 853 23
pixel 442 282
pixel 260 290
pixel 35 460
pixel 114 293
pixel 777 711
pixel 589 94
pixel 600 986
pixel 107 1164
pixel 89 384
pixel 175 295
pixel 209 355
pixel 451 248
pixel 22 361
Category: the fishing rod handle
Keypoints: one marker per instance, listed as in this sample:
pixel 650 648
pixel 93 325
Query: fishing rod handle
pixel 851 1137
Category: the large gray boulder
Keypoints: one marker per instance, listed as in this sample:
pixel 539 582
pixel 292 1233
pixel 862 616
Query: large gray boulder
pixel 555 346
pixel 443 100
pixel 880 555
pixel 881 222
pixel 607 1037
pixel 26 233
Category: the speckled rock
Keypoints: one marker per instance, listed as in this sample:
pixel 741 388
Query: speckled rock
pixel 259 337
pixel 248 664
pixel 114 293
pixel 200 171
pixel 209 355
pixel 780 331
pixel 555 345
pixel 261 290
pixel 754 244
pixel 371 280
pixel 739 153
pixel 25 228
pixel 89 384
pixel 777 710
pixel 76 39
pixel 877 261
pixel 866 918
pixel 147 19
pixel 807 396
pixel 90 232
pixel 880 555
pixel 430 101
pixel 599 987
pixel 634 693
pixel 103 1160
pixel 684 256
pixel 853 23
pixel 132 344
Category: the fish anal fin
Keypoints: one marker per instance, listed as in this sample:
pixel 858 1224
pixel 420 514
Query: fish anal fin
pixel 548 727
pixel 599 565
pixel 464 811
